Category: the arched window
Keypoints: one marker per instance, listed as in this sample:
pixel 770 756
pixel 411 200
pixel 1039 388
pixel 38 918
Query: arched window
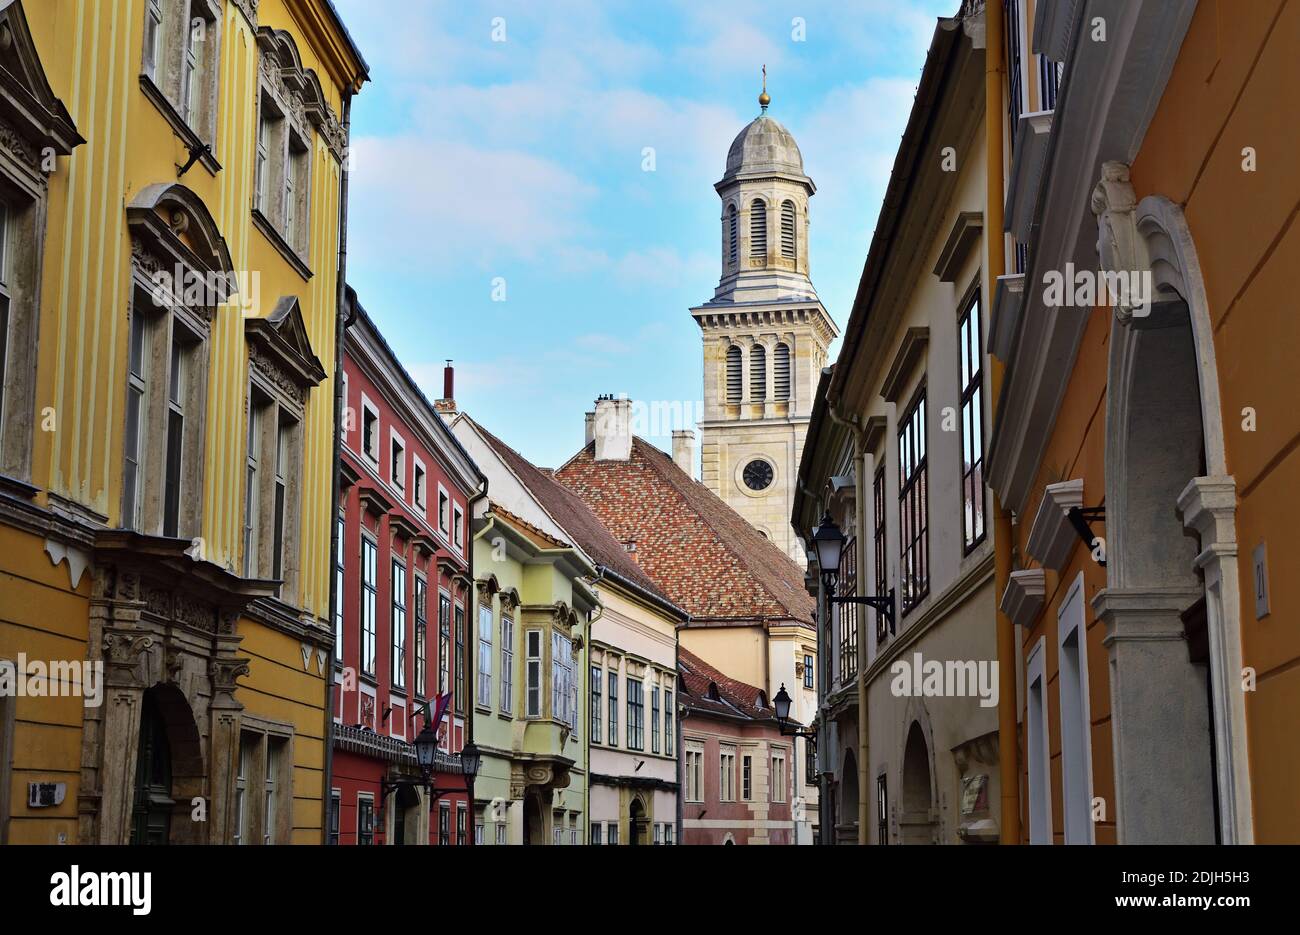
pixel 732 233
pixel 733 374
pixel 758 372
pixel 758 228
pixel 781 371
pixel 787 230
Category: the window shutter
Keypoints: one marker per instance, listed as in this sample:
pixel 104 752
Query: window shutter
pixel 758 229
pixel 758 372
pixel 781 371
pixel 787 230
pixel 733 374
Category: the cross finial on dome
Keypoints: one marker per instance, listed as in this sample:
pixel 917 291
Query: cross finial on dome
pixel 764 98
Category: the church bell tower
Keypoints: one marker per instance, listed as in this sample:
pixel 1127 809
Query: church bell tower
pixel 765 331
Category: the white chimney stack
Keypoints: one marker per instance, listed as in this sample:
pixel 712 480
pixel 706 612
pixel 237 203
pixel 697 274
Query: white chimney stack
pixel 590 423
pixel 684 450
pixel 612 428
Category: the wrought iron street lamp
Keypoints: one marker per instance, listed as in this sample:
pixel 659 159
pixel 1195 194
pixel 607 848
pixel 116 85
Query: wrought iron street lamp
pixel 781 702
pixel 426 753
pixel 828 541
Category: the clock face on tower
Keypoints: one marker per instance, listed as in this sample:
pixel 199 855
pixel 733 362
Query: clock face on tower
pixel 758 475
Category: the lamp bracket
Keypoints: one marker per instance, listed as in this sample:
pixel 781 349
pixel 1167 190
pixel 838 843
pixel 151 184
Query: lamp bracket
pixel 1079 517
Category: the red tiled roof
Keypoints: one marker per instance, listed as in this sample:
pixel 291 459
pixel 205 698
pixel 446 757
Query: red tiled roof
pixel 732 698
pixel 573 516
pixel 699 551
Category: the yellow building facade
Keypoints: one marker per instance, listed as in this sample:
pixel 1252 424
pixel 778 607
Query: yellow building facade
pixel 171 178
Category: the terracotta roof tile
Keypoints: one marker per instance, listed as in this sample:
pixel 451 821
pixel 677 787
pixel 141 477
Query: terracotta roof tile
pixel 733 698
pixel 699 551
pixel 574 516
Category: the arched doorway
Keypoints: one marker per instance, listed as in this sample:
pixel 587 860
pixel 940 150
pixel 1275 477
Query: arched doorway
pixel 1171 606
pixel 168 771
pixel 916 825
pixel 847 829
pixel 636 822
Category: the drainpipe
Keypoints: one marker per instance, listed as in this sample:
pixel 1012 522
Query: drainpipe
pixel 859 540
pixel 1008 659
pixel 470 645
pixel 342 318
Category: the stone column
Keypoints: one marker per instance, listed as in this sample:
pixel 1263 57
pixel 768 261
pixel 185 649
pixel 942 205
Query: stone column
pixel 225 718
pixel 1160 721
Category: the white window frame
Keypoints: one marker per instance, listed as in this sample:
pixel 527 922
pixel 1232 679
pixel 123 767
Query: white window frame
pixel 483 694
pixel 693 772
pixel 444 512
pixel 1076 717
pixel 1038 746
pixel 457 526
pixel 395 466
pixel 726 773
pixel 507 663
pixel 367 407
pixel 534 676
pixel 777 779
pixel 398 615
pixel 419 485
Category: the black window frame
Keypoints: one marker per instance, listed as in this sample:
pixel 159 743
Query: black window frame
pixel 970 340
pixel 913 505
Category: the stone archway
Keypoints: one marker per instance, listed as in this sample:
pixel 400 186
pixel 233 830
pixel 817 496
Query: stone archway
pixel 847 829
pixel 636 821
pixel 169 774
pixel 917 824
pixel 1179 738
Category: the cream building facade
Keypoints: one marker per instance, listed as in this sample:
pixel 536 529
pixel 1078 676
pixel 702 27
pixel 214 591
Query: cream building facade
pixel 765 332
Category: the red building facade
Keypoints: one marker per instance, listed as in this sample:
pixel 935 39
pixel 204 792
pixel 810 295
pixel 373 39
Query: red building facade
pixel 737 768
pixel 404 578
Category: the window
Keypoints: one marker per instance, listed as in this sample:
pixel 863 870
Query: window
pixel 478 829
pixel 136 386
pixel 778 776
pixel 787 230
pixel 421 637
pixel 613 707
pixel 153 38
pixel 562 679
pixel 747 777
pixel 501 833
pixel 670 718
pixel 369 432
pixel 399 626
pixel 460 660
pixel 339 580
pixel 280 491
pixel 612 837
pixel 365 819
pixel 694 774
pixel 878 544
pixel 1038 750
pixel 654 719
pixel 420 483
pixel 533 673
pixel 557 829
pixel 271 790
pixel 369 604
pixel 758 373
pixel 735 386
pixel 485 655
pixel 243 814
pixel 635 714
pixel 457 528
pixel 808 671
pixel 727 773
pixel 597 684
pixel 336 808
pixel 848 613
pixel 4 302
pixel 595 832
pixel 882 810
pixel 1076 745
pixel 810 761
pixel 444 516
pixel 781 371
pixel 296 188
pixel 461 816
pixel 261 170
pixel 190 57
pixel 507 665
pixel 396 461
pixel 573 836
pixel 731 233
pixel 668 833
pixel 758 229
pixel 444 643
pixel 658 833
pixel 444 823
pixel 972 426
pixel 270 510
pixel 913 506
pixel 1015 67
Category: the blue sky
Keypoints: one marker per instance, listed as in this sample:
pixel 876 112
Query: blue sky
pixel 522 161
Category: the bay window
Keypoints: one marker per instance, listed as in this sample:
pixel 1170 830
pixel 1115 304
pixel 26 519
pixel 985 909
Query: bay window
pixel 533 673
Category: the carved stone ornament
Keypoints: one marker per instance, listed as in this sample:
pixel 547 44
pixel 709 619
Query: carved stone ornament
pixel 21 148
pixel 1120 246
pixel 281 380
pixel 249 9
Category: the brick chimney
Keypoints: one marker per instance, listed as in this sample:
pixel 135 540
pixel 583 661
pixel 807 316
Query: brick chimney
pixel 612 428
pixel 684 450
pixel 446 406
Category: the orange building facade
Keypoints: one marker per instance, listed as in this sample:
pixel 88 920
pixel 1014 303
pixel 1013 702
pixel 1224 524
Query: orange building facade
pixel 1146 430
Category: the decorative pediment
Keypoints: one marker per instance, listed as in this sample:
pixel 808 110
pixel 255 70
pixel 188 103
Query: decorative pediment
pixel 32 118
pixel 298 90
pixel 171 227
pixel 1023 598
pixel 279 347
pixel 1052 538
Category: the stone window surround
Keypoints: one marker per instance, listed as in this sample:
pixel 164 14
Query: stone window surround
pixel 265 731
pixel 35 127
pixel 164 88
pixel 741 202
pixel 264 396
pixel 768 342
